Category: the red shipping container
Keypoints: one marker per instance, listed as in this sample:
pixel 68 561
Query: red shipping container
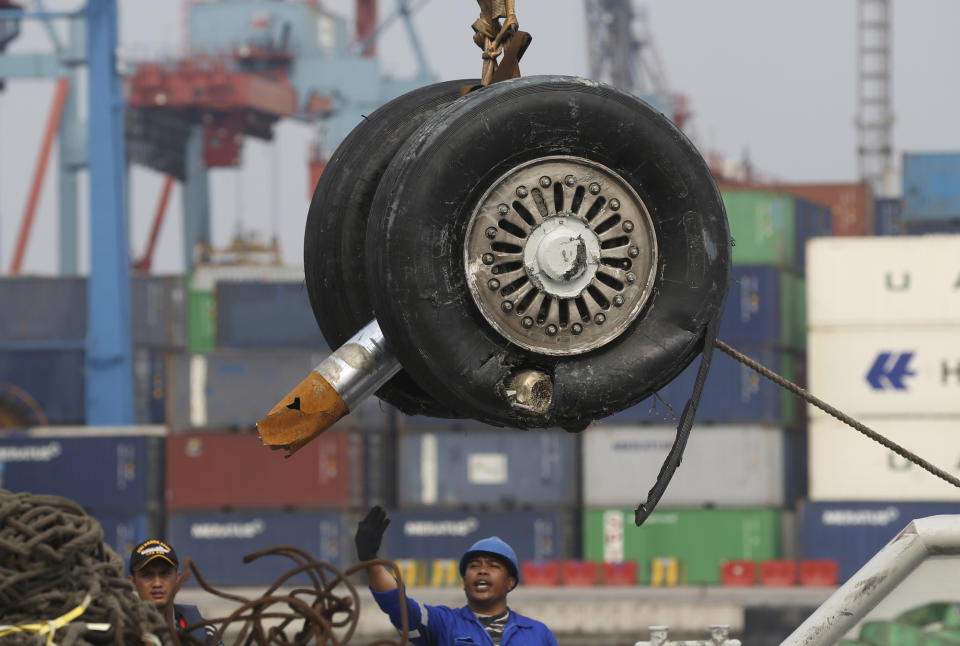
pixel 540 573
pixel 579 572
pixel 778 573
pixel 818 572
pixel 738 573
pixel 210 471
pixel 624 573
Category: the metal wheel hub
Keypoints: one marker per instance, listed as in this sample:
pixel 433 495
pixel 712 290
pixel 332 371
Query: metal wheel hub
pixel 560 255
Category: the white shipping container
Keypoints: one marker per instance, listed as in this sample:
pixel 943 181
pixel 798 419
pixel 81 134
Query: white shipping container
pixel 846 465
pixel 895 280
pixel 897 371
pixel 722 465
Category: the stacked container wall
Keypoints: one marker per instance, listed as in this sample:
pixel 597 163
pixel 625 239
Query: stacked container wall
pixel 55 379
pixel 495 467
pixel 763 226
pixel 889 212
pixel 218 541
pixel 150 386
pixel 251 315
pixel 158 312
pixel 850 205
pixel 700 539
pixel 765 305
pixel 853 532
pixel 931 186
pixel 43 312
pixel 723 466
pixel 208 471
pixel 123 532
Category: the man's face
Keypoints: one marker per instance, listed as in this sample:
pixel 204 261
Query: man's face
pixel 486 581
pixel 155 582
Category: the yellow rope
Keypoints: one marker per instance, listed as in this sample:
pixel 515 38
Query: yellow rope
pixel 48 628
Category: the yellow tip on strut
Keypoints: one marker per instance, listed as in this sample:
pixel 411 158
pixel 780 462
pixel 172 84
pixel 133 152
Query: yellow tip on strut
pixel 306 412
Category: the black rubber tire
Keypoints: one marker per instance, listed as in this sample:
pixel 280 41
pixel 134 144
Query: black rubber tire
pixel 418 225
pixel 337 221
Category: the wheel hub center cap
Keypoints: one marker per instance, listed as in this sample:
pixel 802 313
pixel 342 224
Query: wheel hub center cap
pixel 561 256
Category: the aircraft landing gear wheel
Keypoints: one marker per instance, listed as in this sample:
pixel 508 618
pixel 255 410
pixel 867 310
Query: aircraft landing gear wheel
pixel 546 252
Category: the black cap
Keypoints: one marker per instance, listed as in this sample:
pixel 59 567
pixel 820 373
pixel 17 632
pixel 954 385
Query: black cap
pixel 149 550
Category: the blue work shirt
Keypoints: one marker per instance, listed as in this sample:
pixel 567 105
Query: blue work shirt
pixel 443 626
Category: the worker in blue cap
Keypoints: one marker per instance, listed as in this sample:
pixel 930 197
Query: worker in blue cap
pixel 489 570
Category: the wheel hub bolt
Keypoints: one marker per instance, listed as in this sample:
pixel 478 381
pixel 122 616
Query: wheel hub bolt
pixel 487 258
pixel 551 329
pixel 521 191
pixel 615 204
pixel 628 226
pixel 600 318
pixel 594 188
pixel 576 328
pixel 506 306
pixel 527 322
pixel 618 300
pixel 545 181
pixel 491 232
pixel 631 276
pixel 493 284
pixel 503 209
pixel 569 180
pixel 633 252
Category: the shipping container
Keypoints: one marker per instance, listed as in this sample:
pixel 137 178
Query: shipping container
pixel 42 310
pixel 123 532
pixel 853 532
pixel 534 535
pixel 850 205
pixel 122 473
pixel 772 228
pixel 884 281
pixel 158 310
pixel 55 379
pixel 201 321
pixel 723 466
pixel 733 393
pixel 909 372
pixel 931 186
pixel 492 467
pixel 251 315
pixel 888 218
pixel 218 541
pixel 207 471
pixel 150 386
pixel 232 388
pixel 845 465
pixel 700 539
pixel 765 305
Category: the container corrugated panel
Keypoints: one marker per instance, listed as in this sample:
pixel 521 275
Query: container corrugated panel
pixel 844 466
pixel 534 535
pixel 209 471
pixel 733 393
pixel 884 281
pixel 498 467
pixel 764 305
pixel 931 227
pixel 54 378
pixel 232 388
pixel 931 186
pixel 850 205
pixel 251 315
pixel 43 310
pixel 888 213
pixel 123 532
pixel 101 473
pixel 814 220
pixel 906 372
pixel 218 541
pixel 853 532
pixel 150 386
pixel 763 224
pixel 732 466
pixel 700 539
pixel 201 321
pixel 158 309
pixel 380 468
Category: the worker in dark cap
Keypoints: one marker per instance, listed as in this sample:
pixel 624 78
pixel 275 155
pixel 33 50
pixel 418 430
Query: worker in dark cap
pixel 155 574
pixel 489 569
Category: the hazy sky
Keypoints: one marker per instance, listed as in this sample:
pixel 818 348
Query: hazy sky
pixel 774 78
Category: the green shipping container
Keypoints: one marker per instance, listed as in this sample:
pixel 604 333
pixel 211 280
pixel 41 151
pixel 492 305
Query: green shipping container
pixel 700 539
pixel 201 320
pixel 762 224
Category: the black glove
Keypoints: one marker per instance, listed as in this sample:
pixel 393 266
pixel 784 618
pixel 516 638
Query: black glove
pixel 370 533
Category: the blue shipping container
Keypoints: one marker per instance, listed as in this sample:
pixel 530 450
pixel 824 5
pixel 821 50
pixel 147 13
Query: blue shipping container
pixel 931 186
pixel 218 541
pixel 853 532
pixel 150 386
pixel 538 536
pixel 888 214
pixel 42 310
pixel 102 474
pixel 759 300
pixel 158 311
pixel 733 393
pixel 492 467
pixel 813 220
pixel 54 378
pixel 251 315
pixel 123 532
